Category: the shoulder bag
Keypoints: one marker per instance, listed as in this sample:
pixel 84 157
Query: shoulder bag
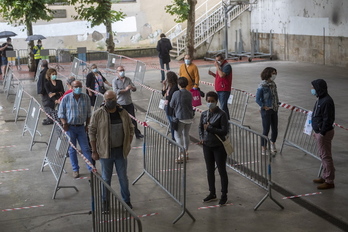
pixel 227 145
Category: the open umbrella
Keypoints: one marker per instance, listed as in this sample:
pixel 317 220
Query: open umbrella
pixel 5 34
pixel 35 37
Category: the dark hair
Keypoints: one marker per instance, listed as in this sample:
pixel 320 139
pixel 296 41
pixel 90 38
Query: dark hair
pixel 213 95
pixel 162 35
pixel 172 78
pixel 49 73
pixel 221 56
pixel 44 63
pixel 39 41
pixel 267 73
pixel 183 82
pixel 70 80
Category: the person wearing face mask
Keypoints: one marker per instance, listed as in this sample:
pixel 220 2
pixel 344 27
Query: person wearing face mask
pixel 214 123
pixel 37 53
pixel 223 81
pixel 4 48
pixel 267 99
pixel 323 118
pixel 123 86
pixel 74 113
pixel 111 133
pixel 95 81
pixel 54 89
pixel 181 102
pixel 190 71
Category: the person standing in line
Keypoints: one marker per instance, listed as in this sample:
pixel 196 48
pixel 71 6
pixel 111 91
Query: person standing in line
pixel 122 86
pixel 54 88
pixel 69 81
pixel 190 71
pixel 213 124
pixel 323 118
pixel 37 54
pixel 170 85
pixel 4 48
pixel 111 133
pixel 163 48
pixel 267 99
pixel 41 90
pixel 181 102
pixel 223 81
pixel 95 81
pixel 75 113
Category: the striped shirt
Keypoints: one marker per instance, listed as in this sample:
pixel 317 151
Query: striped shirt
pixel 75 112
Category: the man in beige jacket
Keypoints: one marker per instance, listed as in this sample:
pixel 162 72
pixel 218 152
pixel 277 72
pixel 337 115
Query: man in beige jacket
pixel 111 133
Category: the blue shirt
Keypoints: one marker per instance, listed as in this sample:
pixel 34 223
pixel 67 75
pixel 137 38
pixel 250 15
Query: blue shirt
pixel 75 112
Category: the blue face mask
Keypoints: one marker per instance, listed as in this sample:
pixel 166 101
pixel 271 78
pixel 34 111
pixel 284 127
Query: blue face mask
pixel 187 62
pixel 78 90
pixel 313 92
pixel 53 77
pixel 95 70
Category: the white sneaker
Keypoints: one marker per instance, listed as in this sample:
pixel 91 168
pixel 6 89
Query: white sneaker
pixel 273 148
pixel 263 151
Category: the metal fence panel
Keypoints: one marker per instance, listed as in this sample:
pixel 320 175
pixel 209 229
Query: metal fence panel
pixel 55 156
pixel 98 101
pixel 238 106
pixel 140 72
pixel 160 154
pixel 129 65
pixel 294 134
pixel 18 101
pixel 118 217
pixel 38 70
pixel 79 69
pixel 247 158
pixel 154 113
pixel 8 84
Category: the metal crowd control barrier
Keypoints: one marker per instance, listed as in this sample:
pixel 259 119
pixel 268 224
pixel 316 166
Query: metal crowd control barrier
pixel 8 82
pixel 294 134
pixel 248 161
pixel 129 65
pixel 38 70
pixel 238 106
pixel 139 73
pixel 56 154
pixel 98 101
pixel 119 216
pixel 31 122
pixel 159 155
pixel 154 113
pixel 6 76
pixel 17 103
pixel 79 69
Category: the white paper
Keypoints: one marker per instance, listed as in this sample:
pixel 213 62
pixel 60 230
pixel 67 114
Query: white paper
pixel 308 124
pixel 230 99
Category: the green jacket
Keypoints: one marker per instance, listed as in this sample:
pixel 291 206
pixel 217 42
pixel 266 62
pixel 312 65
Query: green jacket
pixel 100 127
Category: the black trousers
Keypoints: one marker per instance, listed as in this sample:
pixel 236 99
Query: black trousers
pixel 216 155
pixel 130 110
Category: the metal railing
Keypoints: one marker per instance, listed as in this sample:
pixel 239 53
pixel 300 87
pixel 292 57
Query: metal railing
pixel 159 158
pixel 111 213
pixel 238 105
pixel 154 113
pixel 248 161
pixel 17 103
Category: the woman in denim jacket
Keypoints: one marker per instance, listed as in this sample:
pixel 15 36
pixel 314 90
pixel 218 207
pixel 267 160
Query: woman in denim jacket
pixel 267 98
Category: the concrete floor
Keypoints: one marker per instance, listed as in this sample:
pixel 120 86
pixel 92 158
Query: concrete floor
pixel 293 171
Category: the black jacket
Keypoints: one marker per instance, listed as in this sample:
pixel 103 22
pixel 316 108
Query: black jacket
pixel 323 115
pixel 41 82
pixel 169 110
pixel 218 124
pixel 90 80
pixel 163 48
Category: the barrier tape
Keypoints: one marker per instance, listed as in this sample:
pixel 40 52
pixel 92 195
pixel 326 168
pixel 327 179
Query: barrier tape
pixel 171 170
pixel 302 195
pixel 19 208
pixel 214 206
pixel 17 170
pixel 7 146
pixel 127 218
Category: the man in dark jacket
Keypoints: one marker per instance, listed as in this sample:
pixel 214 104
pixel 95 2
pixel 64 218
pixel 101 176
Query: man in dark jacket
pixel 45 99
pixel 323 117
pixel 163 48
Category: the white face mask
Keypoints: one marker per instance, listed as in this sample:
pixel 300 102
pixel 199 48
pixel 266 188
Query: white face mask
pixel 211 105
pixel 122 73
pixel 273 77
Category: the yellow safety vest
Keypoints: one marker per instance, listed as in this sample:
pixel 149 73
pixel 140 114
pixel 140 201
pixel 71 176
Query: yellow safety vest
pixel 37 55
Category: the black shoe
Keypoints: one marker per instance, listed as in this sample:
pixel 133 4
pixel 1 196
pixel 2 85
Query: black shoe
pixel 209 198
pixel 47 122
pixel 223 200
pixel 139 136
pixel 130 205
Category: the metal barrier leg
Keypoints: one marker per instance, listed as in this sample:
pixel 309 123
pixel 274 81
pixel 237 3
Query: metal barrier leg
pixel 320 170
pixel 138 178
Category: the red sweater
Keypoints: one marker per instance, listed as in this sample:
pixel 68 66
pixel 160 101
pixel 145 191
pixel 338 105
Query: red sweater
pixel 224 83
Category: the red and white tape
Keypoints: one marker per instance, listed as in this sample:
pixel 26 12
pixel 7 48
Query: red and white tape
pixel 19 208
pixel 170 170
pixel 214 206
pixel 7 146
pixel 17 170
pixel 302 195
pixel 127 218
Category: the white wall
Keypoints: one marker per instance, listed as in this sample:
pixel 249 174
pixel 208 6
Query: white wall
pixel 301 17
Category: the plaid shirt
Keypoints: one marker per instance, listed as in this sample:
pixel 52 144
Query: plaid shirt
pixel 75 112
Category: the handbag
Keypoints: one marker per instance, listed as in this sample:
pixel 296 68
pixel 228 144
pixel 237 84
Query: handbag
pixel 174 124
pixel 102 89
pixel 199 89
pixel 196 97
pixel 227 145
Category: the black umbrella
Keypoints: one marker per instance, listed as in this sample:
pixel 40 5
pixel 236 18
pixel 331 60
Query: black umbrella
pixel 5 34
pixel 35 37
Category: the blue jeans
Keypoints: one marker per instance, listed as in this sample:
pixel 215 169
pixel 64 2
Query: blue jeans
pixel 170 118
pixel 116 157
pixel 162 67
pixel 269 121
pixel 223 99
pixel 78 133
